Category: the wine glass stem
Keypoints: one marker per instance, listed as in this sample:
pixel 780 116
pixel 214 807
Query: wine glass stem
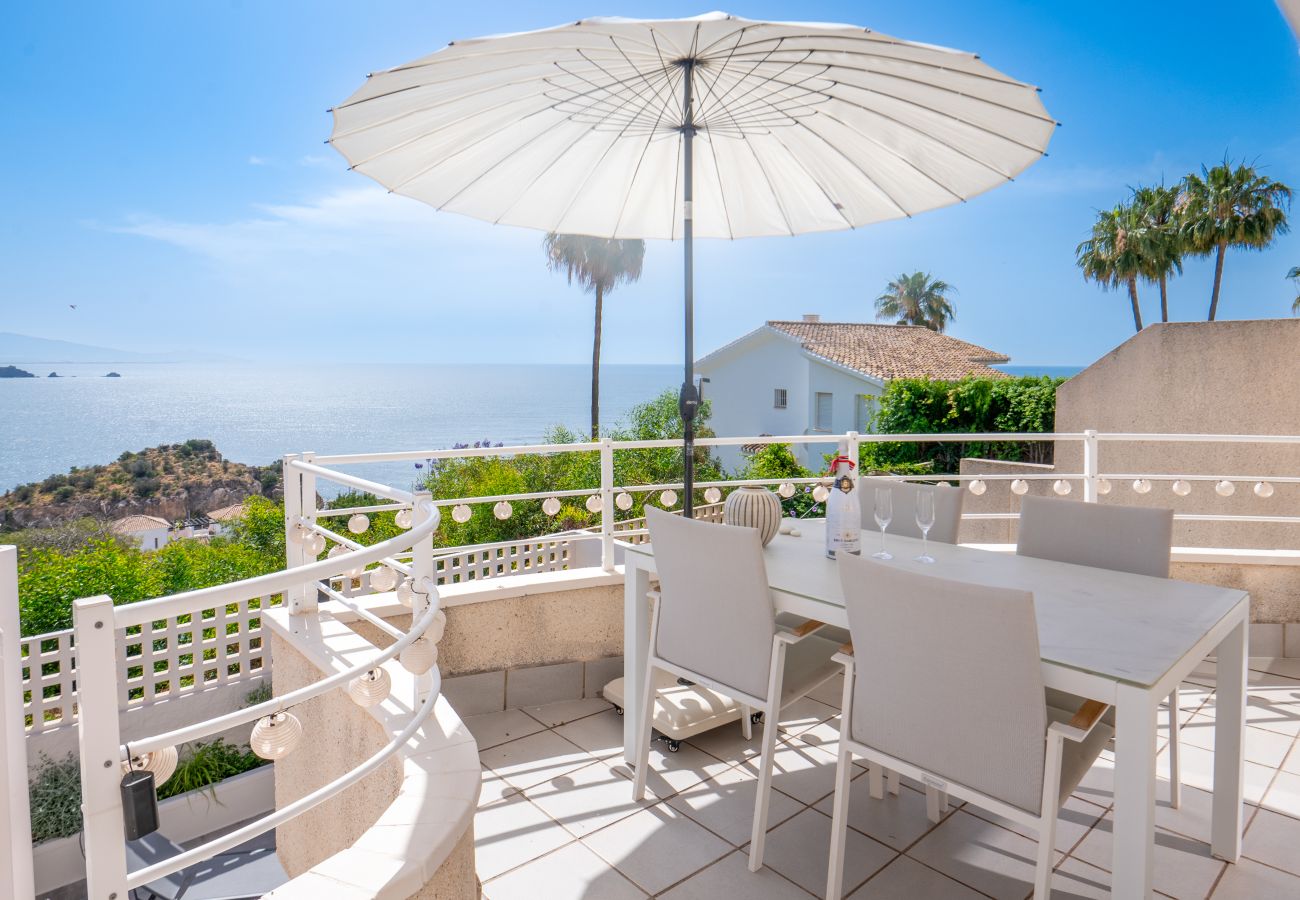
pixel 925 542
pixel 882 539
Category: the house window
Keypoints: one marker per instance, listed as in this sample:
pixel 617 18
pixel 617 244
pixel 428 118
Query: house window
pixel 822 412
pixel 780 398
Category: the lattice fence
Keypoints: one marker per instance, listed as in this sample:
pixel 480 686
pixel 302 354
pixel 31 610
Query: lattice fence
pixel 163 660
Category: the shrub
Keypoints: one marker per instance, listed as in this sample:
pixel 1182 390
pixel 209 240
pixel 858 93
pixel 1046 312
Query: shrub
pixel 54 482
pixel 64 493
pixel 146 487
pixel 205 764
pixel 778 461
pixel 55 797
pixel 140 468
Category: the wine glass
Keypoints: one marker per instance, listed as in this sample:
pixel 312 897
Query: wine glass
pixel 925 521
pixel 884 513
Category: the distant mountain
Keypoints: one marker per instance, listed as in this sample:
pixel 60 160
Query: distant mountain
pixel 22 348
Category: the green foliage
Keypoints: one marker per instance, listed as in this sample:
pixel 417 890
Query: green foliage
pixel 205 764
pixel 777 461
pixel 261 530
pixel 259 694
pixel 917 299
pixel 55 797
pixel 923 406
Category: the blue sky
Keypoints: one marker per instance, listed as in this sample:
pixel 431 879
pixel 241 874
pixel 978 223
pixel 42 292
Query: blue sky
pixel 166 172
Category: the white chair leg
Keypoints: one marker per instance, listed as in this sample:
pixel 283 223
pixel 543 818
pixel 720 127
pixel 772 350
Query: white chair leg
pixel 876 781
pixel 839 822
pixel 891 782
pixel 643 740
pixel 746 726
pixel 1175 779
pixel 1049 810
pixel 771 716
pixel 936 802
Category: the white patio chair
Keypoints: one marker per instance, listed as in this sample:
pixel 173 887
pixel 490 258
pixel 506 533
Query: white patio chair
pixel 714 624
pixel 947 508
pixel 1120 538
pixel 944 683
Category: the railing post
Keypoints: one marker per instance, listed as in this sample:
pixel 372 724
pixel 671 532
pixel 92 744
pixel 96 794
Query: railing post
pixel 15 814
pixel 854 443
pixel 1090 468
pixel 607 504
pixel 422 578
pixel 299 501
pixel 100 745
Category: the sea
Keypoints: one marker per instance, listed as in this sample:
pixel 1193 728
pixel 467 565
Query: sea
pixel 257 413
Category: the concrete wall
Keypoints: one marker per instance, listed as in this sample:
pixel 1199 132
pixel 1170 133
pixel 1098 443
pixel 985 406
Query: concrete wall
pixel 354 736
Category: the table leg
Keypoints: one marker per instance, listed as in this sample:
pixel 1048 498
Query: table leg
pixel 636 641
pixel 1229 734
pixel 1135 793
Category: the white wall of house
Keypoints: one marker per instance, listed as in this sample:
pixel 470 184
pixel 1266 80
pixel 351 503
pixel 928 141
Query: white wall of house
pixel 744 378
pixel 153 538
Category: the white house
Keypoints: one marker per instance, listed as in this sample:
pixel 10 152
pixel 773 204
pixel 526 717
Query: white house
pixel 149 532
pixel 813 376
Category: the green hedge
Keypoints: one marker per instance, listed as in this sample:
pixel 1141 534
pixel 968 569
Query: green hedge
pixel 972 405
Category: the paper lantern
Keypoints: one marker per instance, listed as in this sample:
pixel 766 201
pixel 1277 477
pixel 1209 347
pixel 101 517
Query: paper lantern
pixel 786 490
pixel 460 513
pixel 1263 489
pixel 712 495
pixel 438 627
pixel 406 593
pixel 551 505
pixel 370 688
pixel 315 545
pixel 420 656
pixel 404 518
pixel 161 762
pixel 358 523
pixel 594 503
pixel 623 501
pixel 1182 488
pixel 1225 488
pixel 1061 486
pixel 668 498
pixel 335 551
pixel 382 579
pixel 1142 486
pixel 275 736
pixel 821 492
pixel 1020 487
pixel 502 510
pixel 1103 486
pixel 977 487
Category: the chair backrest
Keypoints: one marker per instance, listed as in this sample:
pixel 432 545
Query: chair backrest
pixel 947 507
pixel 1122 538
pixel 716 616
pixel 947 676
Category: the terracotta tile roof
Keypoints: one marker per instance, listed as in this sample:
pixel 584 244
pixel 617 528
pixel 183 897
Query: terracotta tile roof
pixel 136 524
pixel 226 513
pixel 893 351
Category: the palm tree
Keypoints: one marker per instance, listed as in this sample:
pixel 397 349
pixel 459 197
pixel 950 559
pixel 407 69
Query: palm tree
pixel 598 265
pixel 1294 275
pixel 917 299
pixel 1114 255
pixel 1157 208
pixel 1231 207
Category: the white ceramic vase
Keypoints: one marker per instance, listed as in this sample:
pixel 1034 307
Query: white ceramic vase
pixel 754 507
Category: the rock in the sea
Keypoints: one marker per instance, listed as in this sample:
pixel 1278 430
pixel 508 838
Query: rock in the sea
pixel 112 375
pixel 54 375
pixel 14 372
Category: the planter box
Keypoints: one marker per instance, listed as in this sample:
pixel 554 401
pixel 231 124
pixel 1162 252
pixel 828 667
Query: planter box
pixel 183 818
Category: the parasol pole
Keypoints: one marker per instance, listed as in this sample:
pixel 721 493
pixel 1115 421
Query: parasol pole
pixel 688 401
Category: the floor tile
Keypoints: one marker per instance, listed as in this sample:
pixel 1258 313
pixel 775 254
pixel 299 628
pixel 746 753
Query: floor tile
pixel 587 798
pixel 731 878
pixel 511 832
pixel 600 735
pixel 803 714
pixel 1074 878
pixel 1183 865
pixel 728 743
pixel 1268 748
pixel 831 693
pixel 1292 762
pixel 802 771
pixel 1274 840
pixel 657 847
pixel 990 859
pixel 571 873
pixel 1288 667
pixel 534 759
pixel 894 820
pixel 671 773
pixel 907 879
pixel 1251 880
pixel 799 849
pixel 725 805
pixel 495 728
pixel 554 714
pixel 1076 818
pixel 1284 795
pixel 1197 766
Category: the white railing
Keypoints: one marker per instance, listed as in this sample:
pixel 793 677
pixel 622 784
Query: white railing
pixel 102 631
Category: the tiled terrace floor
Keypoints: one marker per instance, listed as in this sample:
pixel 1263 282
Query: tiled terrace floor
pixel 556 818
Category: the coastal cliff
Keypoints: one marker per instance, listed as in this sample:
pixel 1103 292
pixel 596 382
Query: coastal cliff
pixel 173 481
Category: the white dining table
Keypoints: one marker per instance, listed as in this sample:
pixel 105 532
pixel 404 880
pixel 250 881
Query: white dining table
pixel 1126 640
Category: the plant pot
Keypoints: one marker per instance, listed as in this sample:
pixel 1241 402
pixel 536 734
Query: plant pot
pixel 754 507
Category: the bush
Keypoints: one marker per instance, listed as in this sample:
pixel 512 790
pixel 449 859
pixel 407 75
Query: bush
pixel 778 461
pixel 64 494
pixel 146 487
pixel 206 764
pixel 921 406
pixel 55 797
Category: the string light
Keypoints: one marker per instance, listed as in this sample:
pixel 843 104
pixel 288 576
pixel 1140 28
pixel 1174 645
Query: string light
pixel 1142 486
pixel 502 510
pixel 1182 488
pixel 419 656
pixel 821 492
pixel 1061 486
pixel 668 498
pixel 461 513
pixel 404 518
pixel 275 736
pixel 358 523
pixel 594 503
pixel 370 688
pixel 1020 487
pixel 161 762
pixel 1225 488
pixel 712 495
pixel 623 501
pixel 786 490
pixel 1103 486
pixel 977 487
pixel 382 579
pixel 551 505
pixel 1263 490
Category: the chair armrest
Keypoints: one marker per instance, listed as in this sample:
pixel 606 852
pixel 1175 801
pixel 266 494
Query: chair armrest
pixel 1084 720
pixel 800 631
pixel 845 655
pixel 652 595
